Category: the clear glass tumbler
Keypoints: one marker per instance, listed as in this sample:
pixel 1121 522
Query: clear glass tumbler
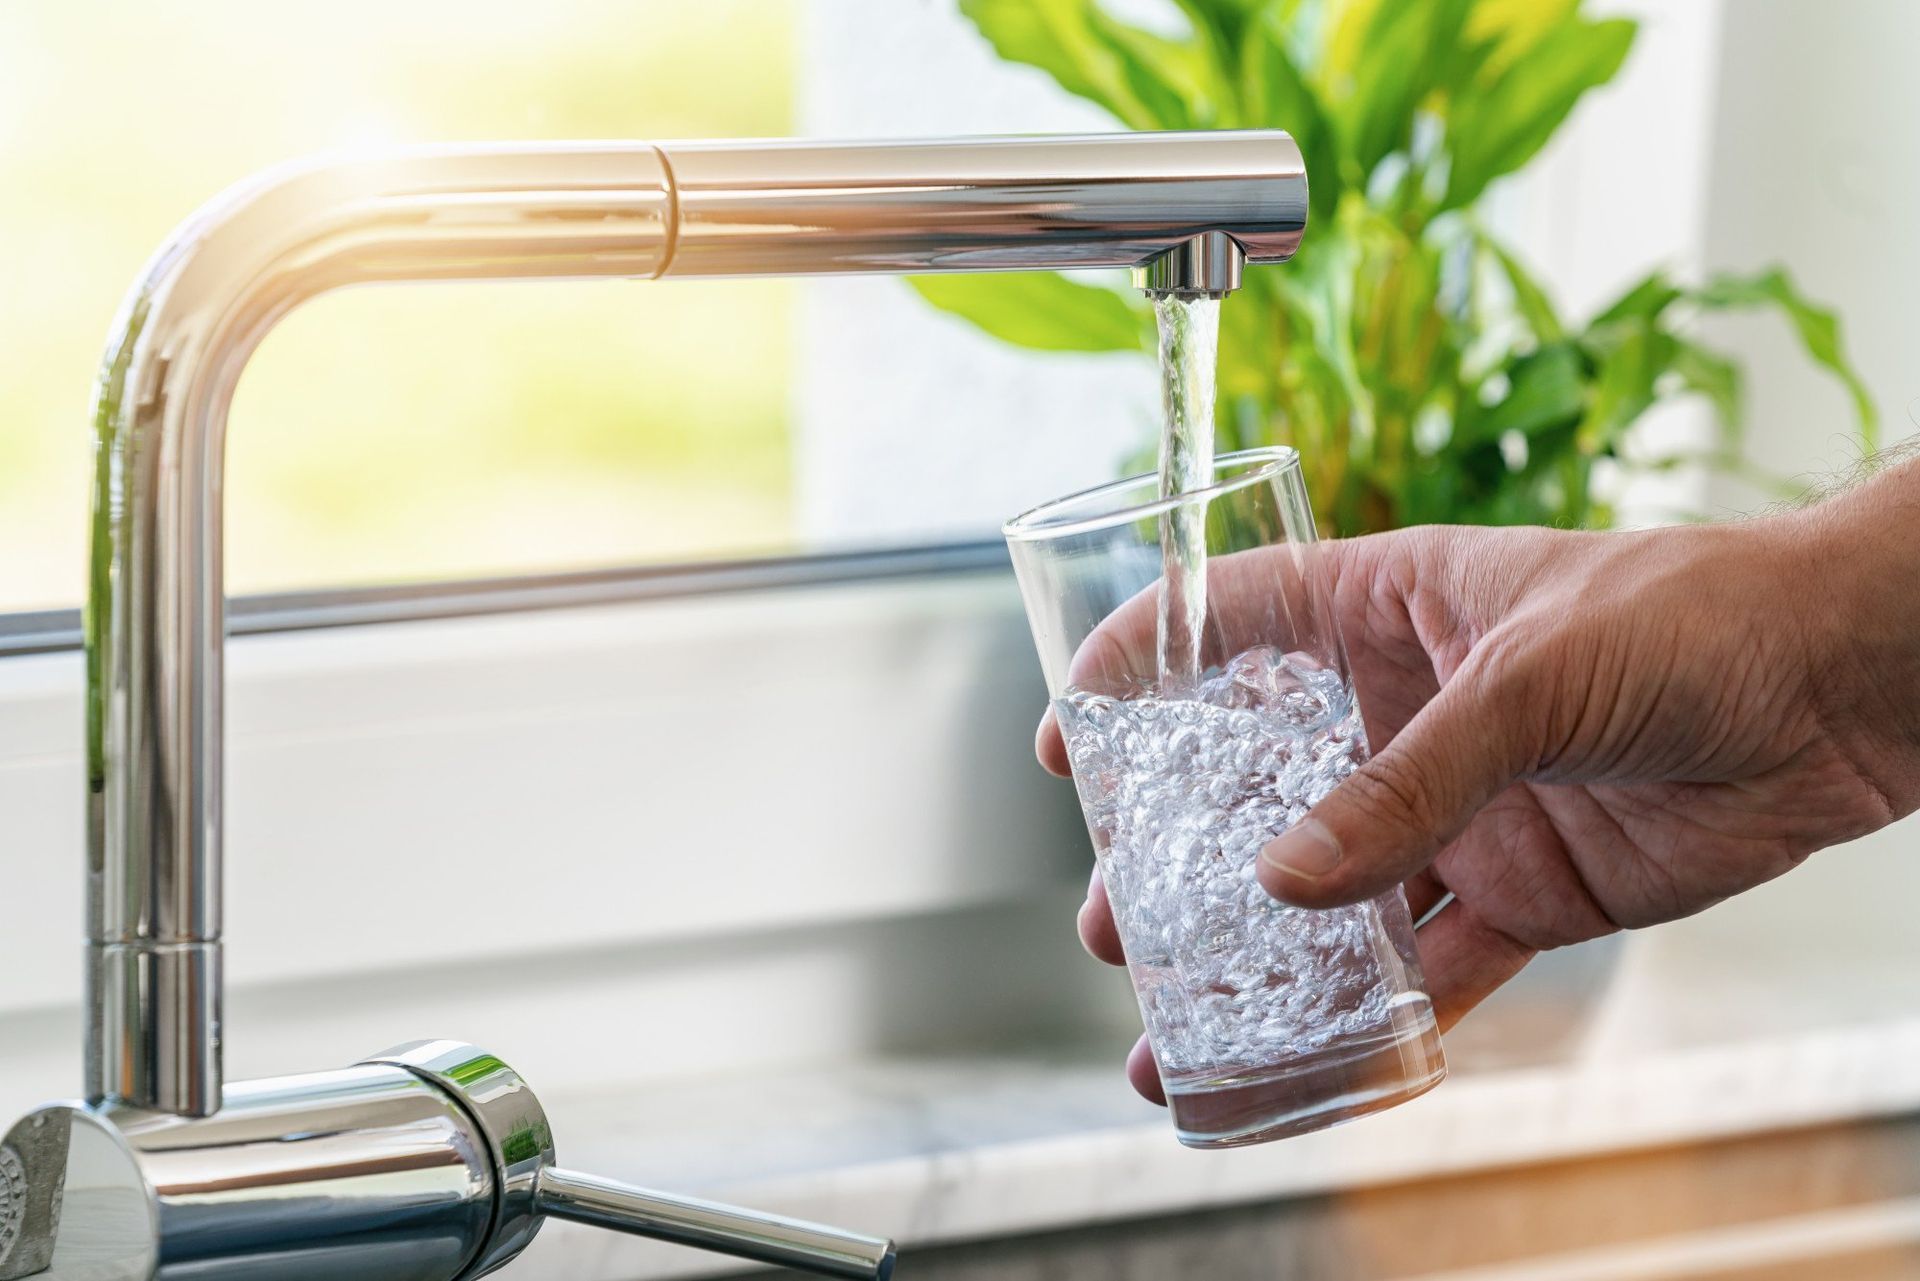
pixel 1266 1020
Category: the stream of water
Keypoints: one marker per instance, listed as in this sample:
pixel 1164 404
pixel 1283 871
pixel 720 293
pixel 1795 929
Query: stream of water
pixel 1189 347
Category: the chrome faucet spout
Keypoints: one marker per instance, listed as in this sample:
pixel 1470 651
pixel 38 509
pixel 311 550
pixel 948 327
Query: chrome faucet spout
pixel 1186 210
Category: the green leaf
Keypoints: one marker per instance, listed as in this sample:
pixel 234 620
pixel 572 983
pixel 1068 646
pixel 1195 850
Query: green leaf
pixel 1340 53
pixel 1506 30
pixel 1274 95
pixel 1709 374
pixel 1528 297
pixel 1043 310
pixel 1545 389
pixel 1146 81
pixel 1818 328
pixel 1223 24
pixel 1246 335
pixel 1224 14
pixel 1178 81
pixel 1642 303
pixel 1391 59
pixel 1629 371
pixel 1498 129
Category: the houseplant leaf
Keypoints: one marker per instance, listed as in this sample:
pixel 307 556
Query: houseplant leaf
pixel 1042 309
pixel 1408 353
pixel 1179 82
pixel 1386 67
pixel 1709 374
pixel 1499 128
pixel 1274 95
pixel 1629 371
pixel 1504 31
pixel 1529 299
pixel 1147 82
pixel 1545 388
pixel 1643 302
pixel 1222 26
pixel 1817 327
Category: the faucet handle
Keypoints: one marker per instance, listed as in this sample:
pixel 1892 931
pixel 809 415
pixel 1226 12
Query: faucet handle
pixel 708 1225
pixel 532 1187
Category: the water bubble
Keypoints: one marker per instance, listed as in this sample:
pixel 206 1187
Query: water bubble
pixel 1183 794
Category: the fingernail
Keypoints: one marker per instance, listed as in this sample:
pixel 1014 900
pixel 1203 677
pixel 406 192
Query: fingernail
pixel 1080 930
pixel 1306 850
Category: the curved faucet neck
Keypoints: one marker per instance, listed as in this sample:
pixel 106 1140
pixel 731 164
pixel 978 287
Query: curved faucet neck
pixel 155 613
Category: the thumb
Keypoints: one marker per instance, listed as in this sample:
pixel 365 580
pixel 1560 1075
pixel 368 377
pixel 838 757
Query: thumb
pixel 1389 818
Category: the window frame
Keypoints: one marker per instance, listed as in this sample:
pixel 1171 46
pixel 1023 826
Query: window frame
pixel 54 631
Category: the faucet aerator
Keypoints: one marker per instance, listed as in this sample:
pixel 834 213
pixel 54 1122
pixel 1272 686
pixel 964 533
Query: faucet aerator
pixel 1207 266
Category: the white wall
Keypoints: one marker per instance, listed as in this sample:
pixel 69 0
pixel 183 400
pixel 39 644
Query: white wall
pixel 910 424
pixel 1816 162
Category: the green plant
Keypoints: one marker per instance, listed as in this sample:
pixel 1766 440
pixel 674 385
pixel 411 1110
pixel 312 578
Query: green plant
pixel 1406 351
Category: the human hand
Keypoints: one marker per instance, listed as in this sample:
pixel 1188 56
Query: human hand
pixel 1576 733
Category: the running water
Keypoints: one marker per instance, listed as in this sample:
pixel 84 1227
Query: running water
pixel 1189 345
pixel 1264 1018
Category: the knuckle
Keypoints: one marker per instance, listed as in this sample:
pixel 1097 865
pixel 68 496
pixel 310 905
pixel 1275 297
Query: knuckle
pixel 1510 680
pixel 1508 661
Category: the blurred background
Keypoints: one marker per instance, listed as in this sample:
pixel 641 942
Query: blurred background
pixel 905 1036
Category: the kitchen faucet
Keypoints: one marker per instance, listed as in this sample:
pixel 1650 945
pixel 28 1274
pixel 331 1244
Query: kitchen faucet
pixel 434 1160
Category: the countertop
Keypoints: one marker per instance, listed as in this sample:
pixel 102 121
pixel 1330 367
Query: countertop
pixel 1687 1035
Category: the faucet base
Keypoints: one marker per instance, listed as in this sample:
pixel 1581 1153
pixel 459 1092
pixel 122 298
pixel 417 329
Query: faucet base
pixel 364 1171
pixel 431 1162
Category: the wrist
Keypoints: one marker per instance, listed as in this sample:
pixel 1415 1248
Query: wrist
pixel 1851 571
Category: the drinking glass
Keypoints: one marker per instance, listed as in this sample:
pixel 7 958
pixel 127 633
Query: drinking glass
pixel 1265 1020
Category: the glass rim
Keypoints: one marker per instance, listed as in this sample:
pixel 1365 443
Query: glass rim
pixel 1053 519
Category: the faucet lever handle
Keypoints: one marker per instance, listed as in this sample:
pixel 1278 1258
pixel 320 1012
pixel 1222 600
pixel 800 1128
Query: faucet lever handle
pixel 708 1225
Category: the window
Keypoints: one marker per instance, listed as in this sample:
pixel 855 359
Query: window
pixel 393 434
pixel 402 435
